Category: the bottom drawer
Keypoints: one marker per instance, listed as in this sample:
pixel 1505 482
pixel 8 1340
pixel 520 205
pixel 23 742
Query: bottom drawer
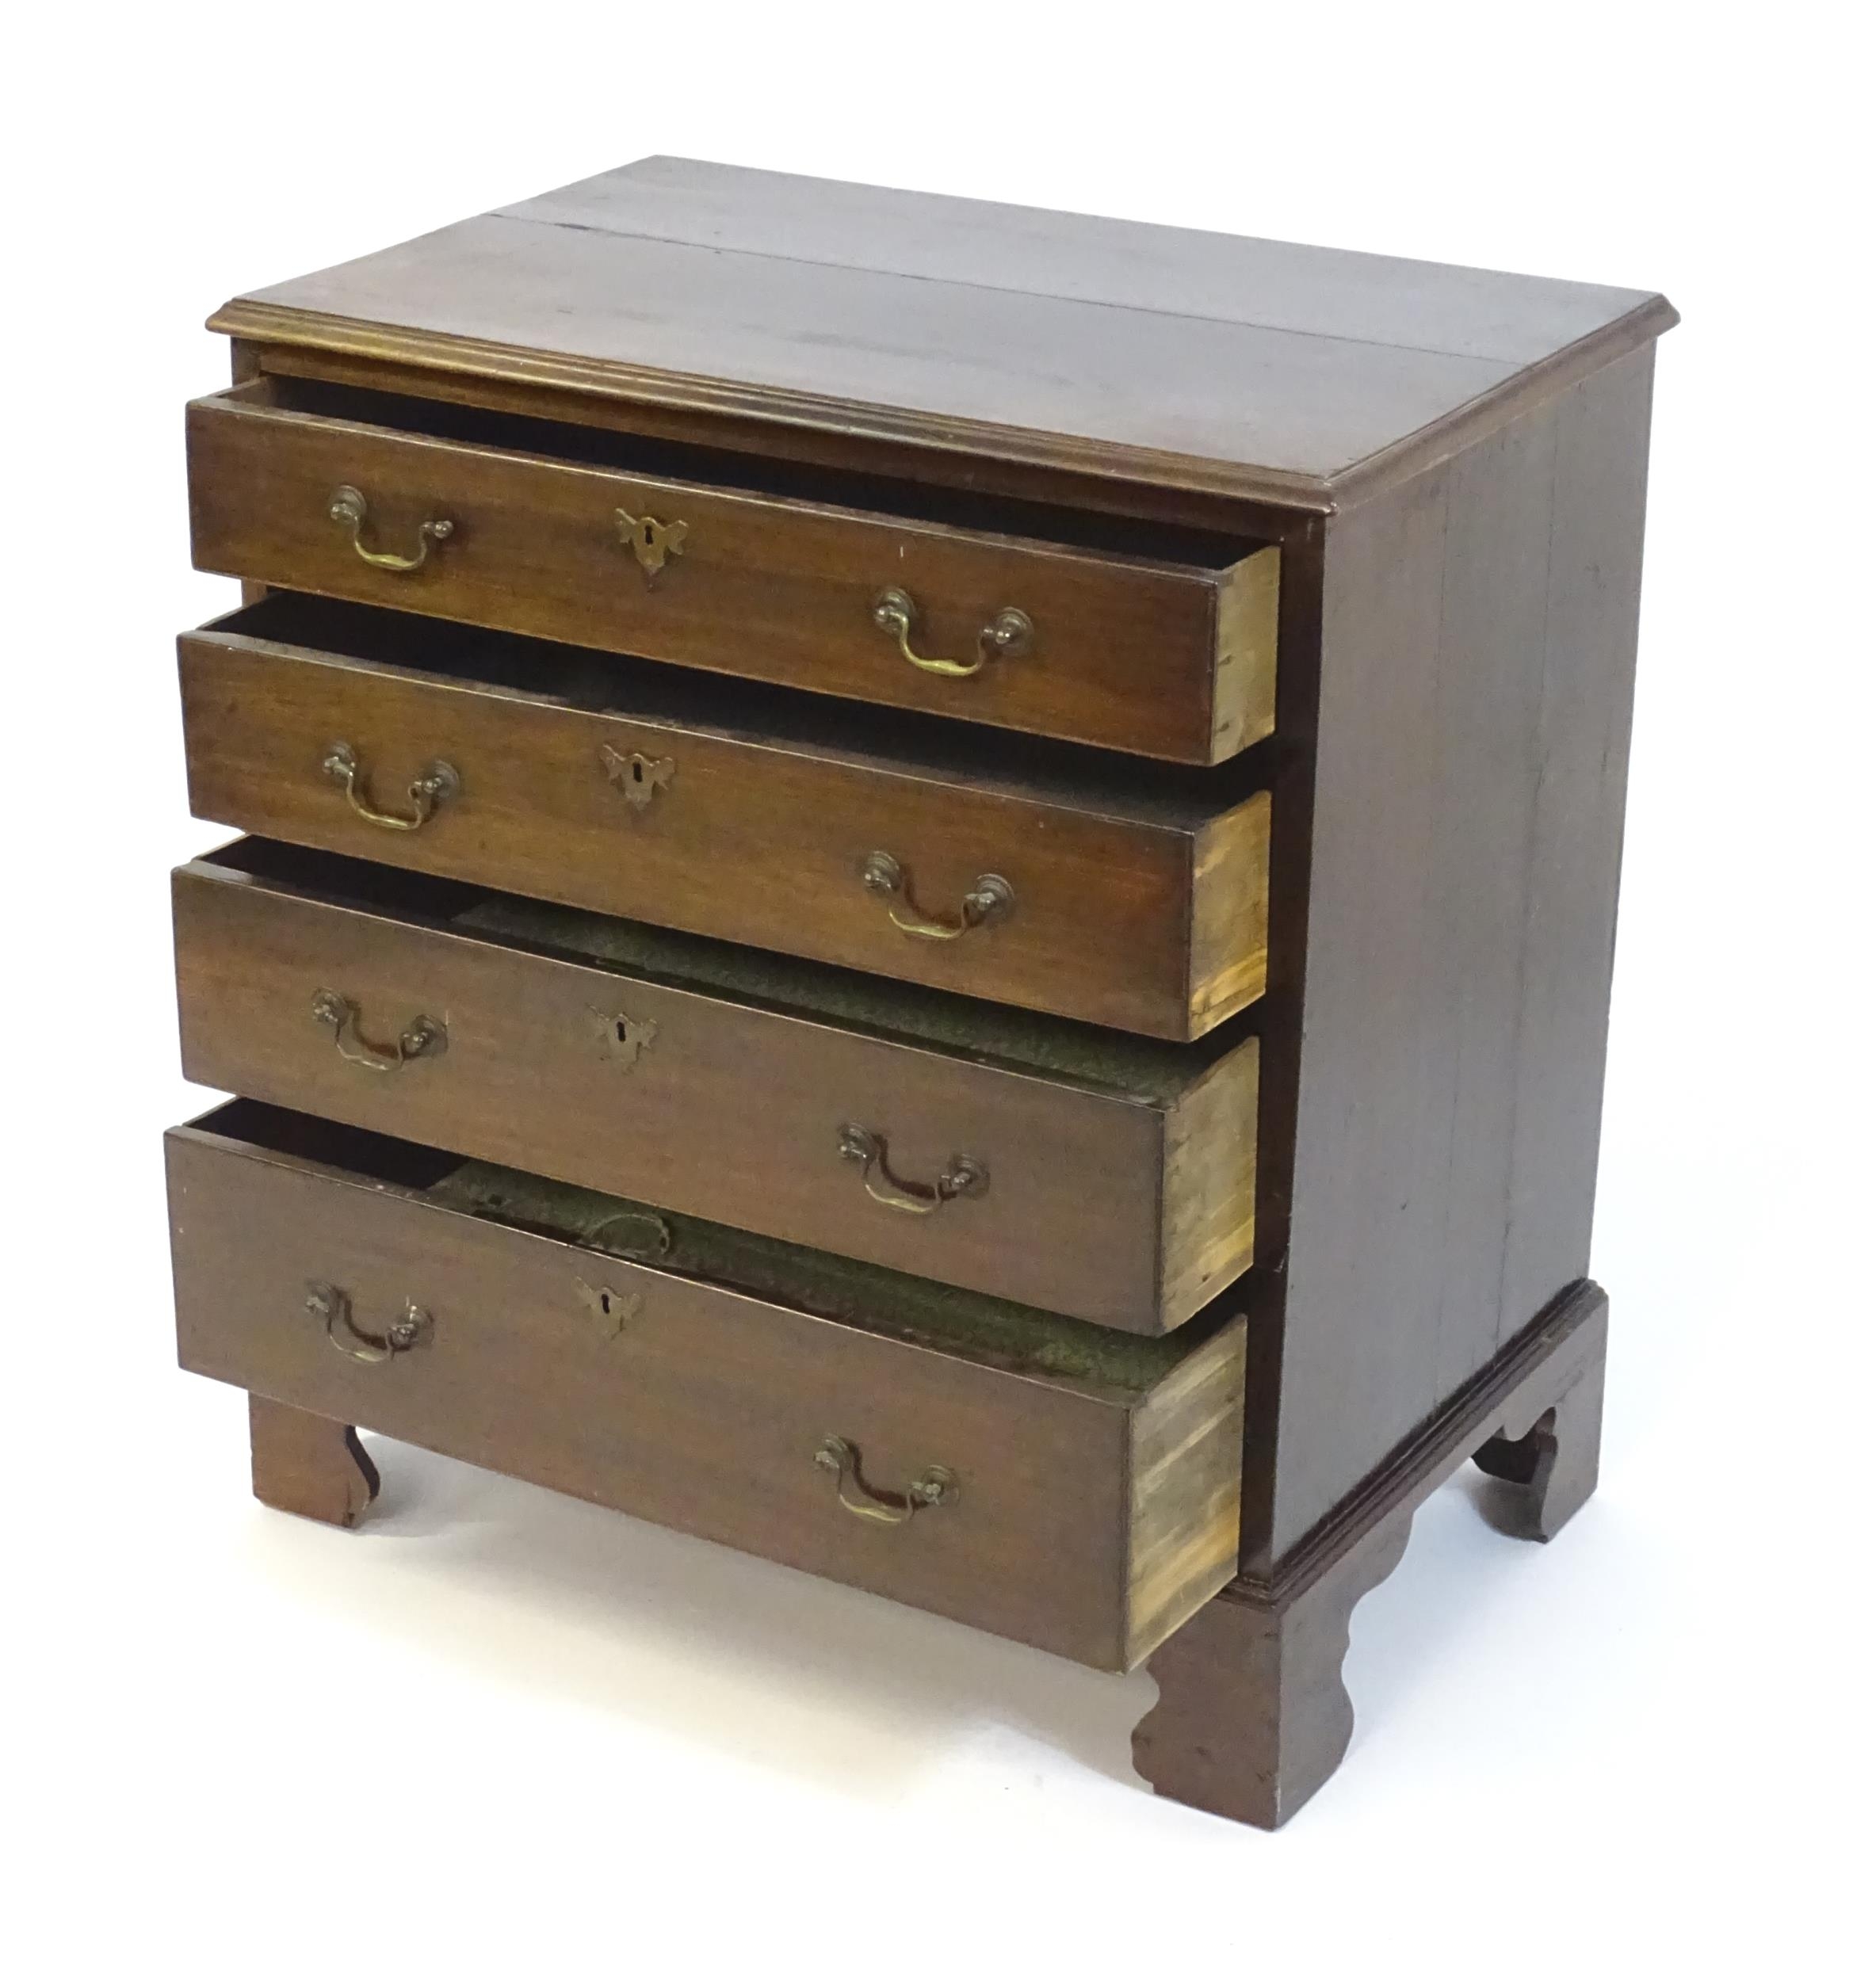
pixel 1062 1484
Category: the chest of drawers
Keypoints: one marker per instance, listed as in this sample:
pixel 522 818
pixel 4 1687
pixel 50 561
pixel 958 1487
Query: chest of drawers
pixel 931 892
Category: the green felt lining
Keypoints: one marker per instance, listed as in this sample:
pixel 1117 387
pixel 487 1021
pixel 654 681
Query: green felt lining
pixel 1142 1068
pixel 1002 1333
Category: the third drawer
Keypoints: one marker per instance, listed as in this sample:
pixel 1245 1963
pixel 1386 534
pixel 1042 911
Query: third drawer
pixel 1073 1170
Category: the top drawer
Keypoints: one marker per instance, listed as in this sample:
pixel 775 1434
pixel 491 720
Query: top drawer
pixel 1128 635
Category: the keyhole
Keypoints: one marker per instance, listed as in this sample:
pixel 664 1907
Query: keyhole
pixel 605 1302
pixel 647 535
pixel 638 772
pixel 619 1029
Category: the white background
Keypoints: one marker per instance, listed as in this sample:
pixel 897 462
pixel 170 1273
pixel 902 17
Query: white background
pixel 499 1733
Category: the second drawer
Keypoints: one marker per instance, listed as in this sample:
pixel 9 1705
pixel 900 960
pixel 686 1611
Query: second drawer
pixel 1114 892
pixel 1073 1170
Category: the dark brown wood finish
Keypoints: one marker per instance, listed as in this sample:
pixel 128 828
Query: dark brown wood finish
pixel 309 1465
pixel 1257 369
pixel 1136 902
pixel 703 1407
pixel 1252 1716
pixel 1150 655
pixel 1406 889
pixel 707 1081
pixel 1457 900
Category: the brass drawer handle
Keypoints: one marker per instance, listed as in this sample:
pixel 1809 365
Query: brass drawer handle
pixel 991 899
pixel 964 1176
pixel 1009 633
pixel 333 1305
pixel 438 782
pixel 347 509
pixel 422 1038
pixel 934 1486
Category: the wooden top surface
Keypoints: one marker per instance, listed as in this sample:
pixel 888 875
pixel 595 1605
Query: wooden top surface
pixel 1260 368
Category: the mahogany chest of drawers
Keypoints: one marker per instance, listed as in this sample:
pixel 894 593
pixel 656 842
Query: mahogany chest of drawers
pixel 931 892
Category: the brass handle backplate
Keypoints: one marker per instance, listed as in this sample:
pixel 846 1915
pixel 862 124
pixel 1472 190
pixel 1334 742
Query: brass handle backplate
pixel 423 1038
pixel 438 782
pixel 347 508
pixel 937 1486
pixel 1010 633
pixel 413 1328
pixel 964 1176
pixel 991 899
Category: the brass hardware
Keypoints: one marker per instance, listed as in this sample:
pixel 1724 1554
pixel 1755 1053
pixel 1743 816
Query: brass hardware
pixel 625 1037
pixel 422 1038
pixel 347 509
pixel 1009 633
pixel 937 1486
pixel 650 541
pixel 611 1235
pixel 438 782
pixel 639 778
pixel 609 1307
pixel 964 1176
pixel 991 899
pixel 413 1328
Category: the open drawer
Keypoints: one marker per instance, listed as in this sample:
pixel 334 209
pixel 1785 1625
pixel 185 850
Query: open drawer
pixel 1073 1169
pixel 1055 1483
pixel 1122 892
pixel 1132 636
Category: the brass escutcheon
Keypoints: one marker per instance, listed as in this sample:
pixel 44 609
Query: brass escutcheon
pixel 937 1486
pixel 1009 633
pixel 346 507
pixel 964 1176
pixel 436 782
pixel 414 1328
pixel 609 1308
pixel 649 540
pixel 637 778
pixel 423 1037
pixel 989 900
pixel 625 1037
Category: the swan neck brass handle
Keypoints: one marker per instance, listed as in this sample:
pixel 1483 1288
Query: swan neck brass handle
pixel 423 1038
pixel 413 1328
pixel 347 508
pixel 937 1486
pixel 964 1176
pixel 1010 633
pixel 992 899
pixel 438 782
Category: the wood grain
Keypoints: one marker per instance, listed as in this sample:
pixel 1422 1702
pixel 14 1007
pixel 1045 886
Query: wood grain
pixel 1261 369
pixel 703 1409
pixel 629 1079
pixel 309 1465
pixel 1139 901
pixel 1476 658
pixel 1125 651
pixel 1253 1716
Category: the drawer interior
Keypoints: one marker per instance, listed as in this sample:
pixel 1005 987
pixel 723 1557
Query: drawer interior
pixel 1116 1062
pixel 999 1334
pixel 1112 536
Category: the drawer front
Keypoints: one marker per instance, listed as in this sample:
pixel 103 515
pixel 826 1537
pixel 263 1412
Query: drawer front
pixel 1162 660
pixel 919 1159
pixel 1091 913
pixel 709 1410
